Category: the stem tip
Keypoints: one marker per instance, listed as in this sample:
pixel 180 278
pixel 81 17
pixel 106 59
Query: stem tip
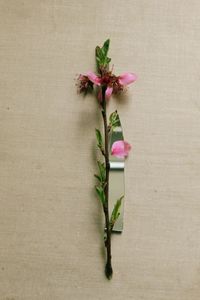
pixel 108 271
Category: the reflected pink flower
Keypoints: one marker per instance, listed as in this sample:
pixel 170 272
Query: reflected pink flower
pixel 120 149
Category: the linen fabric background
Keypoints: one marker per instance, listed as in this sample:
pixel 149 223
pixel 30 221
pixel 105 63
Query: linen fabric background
pixel 51 223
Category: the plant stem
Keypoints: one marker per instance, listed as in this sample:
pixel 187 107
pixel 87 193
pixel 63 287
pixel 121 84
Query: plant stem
pixel 108 267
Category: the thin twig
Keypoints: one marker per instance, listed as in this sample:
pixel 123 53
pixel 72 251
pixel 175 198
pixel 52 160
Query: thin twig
pixel 108 267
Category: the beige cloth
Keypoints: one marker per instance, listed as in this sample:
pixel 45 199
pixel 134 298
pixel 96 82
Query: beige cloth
pixel 50 220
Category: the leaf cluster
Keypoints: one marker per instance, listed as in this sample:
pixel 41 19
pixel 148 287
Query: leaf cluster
pixel 102 59
pixel 101 176
pixel 114 120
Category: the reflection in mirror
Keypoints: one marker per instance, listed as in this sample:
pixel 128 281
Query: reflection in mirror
pixel 116 178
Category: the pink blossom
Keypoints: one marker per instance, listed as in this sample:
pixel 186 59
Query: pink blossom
pixel 94 78
pixel 113 84
pixel 120 149
pixel 127 78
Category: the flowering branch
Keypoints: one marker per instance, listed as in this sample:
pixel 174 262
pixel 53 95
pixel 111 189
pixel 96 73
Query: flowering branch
pixel 106 84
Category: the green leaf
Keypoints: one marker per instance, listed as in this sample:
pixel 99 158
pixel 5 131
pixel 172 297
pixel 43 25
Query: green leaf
pixel 101 194
pixel 115 213
pixel 114 120
pixel 99 138
pixel 98 177
pixel 102 171
pixel 99 53
pixel 105 47
pixel 108 59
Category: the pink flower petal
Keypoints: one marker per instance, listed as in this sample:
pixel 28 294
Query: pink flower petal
pixel 94 78
pixel 120 149
pixel 108 92
pixel 127 78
